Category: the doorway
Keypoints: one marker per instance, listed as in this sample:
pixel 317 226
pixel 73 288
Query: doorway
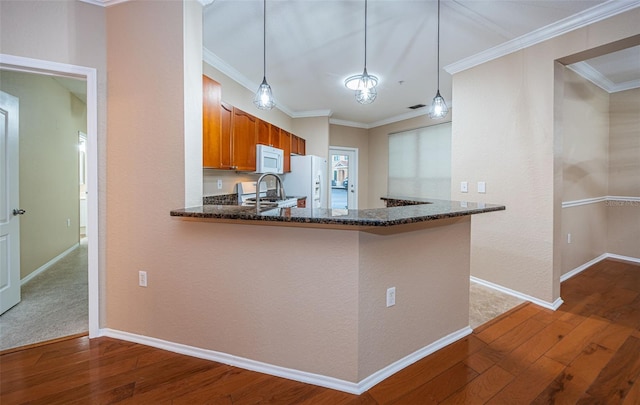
pixel 88 79
pixel 343 178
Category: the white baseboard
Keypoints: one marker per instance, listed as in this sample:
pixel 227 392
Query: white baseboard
pixel 291 374
pixel 600 258
pixel 549 305
pixel 48 264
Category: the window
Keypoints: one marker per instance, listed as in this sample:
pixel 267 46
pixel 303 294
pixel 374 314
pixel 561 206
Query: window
pixel 420 162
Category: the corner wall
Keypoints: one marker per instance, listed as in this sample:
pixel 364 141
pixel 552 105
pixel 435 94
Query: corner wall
pixel 585 130
pixel 623 217
pixel 511 148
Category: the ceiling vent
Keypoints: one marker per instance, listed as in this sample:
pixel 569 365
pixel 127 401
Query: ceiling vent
pixel 415 107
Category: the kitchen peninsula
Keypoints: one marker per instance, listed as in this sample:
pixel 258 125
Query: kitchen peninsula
pixel 324 278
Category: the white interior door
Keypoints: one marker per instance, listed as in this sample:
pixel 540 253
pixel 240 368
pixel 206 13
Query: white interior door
pixel 9 209
pixel 343 167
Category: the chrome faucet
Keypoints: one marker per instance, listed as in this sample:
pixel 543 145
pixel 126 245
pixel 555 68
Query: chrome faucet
pixel 279 186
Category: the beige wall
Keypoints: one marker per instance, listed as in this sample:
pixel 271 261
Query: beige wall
pixel 50 118
pixel 624 144
pixel 585 133
pixel 208 286
pixel 71 32
pixel 513 149
pixel 379 154
pixel 355 138
pixel 624 174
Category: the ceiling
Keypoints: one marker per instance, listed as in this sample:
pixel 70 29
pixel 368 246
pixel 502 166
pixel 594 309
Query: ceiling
pixel 313 45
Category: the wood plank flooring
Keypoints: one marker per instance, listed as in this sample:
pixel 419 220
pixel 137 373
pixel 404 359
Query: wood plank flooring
pixel 587 352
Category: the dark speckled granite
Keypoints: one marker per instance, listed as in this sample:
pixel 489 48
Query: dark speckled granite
pixel 417 210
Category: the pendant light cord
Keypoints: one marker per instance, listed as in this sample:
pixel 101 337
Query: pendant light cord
pixel 365 35
pixel 264 38
pixel 438 73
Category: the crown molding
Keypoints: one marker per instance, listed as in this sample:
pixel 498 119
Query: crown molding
pixel 588 72
pixel 346 123
pixel 312 113
pixel 574 22
pixel 107 3
pixel 104 3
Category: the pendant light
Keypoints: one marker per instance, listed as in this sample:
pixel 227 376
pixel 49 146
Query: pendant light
pixel 264 98
pixel 438 108
pixel 364 84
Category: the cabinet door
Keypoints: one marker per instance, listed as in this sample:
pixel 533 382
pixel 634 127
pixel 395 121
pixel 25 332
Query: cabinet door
pixel 245 136
pixel 211 123
pixel 294 144
pixel 226 144
pixel 302 146
pixel 264 133
pixel 285 144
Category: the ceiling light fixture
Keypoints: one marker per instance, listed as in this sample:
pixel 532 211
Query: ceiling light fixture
pixel 364 84
pixel 438 108
pixel 264 98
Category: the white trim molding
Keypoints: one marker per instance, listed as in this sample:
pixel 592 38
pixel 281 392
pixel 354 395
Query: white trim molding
pixel 284 372
pixel 48 264
pixel 598 259
pixel 606 198
pixel 44 67
pixel 592 15
pixel 588 72
pixel 545 304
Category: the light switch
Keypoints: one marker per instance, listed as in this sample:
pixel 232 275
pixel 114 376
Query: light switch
pixel 464 187
pixel 482 187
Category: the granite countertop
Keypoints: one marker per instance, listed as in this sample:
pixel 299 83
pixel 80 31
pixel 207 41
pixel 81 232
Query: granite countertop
pixel 413 210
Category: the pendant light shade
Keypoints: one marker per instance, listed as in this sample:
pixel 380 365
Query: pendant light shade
pixel 438 108
pixel 264 97
pixel 364 84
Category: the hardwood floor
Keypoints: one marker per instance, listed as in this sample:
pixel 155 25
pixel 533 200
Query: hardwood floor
pixel 587 352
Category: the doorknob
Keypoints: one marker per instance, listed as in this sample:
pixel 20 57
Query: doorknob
pixel 19 212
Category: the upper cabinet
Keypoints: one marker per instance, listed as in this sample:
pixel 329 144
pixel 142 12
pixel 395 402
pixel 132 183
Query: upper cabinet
pixel 245 137
pixel 298 145
pixel 285 145
pixel 268 134
pixel 230 135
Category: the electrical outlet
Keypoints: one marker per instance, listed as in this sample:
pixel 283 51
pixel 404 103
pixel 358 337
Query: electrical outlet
pixel 568 238
pixel 68 222
pixel 142 278
pixel 482 187
pixel 219 184
pixel 464 187
pixel 391 296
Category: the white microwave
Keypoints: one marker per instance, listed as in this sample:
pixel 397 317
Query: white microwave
pixel 269 159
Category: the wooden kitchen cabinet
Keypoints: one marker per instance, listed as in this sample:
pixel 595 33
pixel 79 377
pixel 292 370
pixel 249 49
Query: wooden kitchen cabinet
pixel 285 145
pixel 244 128
pixel 268 134
pixel 298 145
pixel 226 143
pixel 211 123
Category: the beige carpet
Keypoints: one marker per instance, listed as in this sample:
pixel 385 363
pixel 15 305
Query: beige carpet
pixel 54 304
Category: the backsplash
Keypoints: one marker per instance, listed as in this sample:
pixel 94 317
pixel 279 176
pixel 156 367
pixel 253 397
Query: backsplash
pixel 223 199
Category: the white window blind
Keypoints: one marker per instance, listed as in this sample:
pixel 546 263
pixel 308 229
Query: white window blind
pixel 420 162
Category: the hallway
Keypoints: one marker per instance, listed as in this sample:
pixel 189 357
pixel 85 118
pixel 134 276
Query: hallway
pixel 54 304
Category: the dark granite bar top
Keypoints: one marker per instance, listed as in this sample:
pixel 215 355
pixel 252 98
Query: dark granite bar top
pixel 412 210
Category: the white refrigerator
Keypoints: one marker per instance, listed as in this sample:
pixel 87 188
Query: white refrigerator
pixel 308 178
